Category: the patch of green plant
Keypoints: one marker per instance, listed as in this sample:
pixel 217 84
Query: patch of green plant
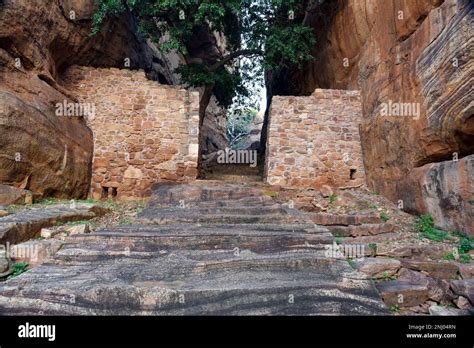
pixel 19 268
pixel 384 216
pixel 425 225
pixel 339 240
pixel 465 246
pixel 394 308
pixel 386 277
pixel 374 193
pixel 465 258
pixel 373 247
pixel 332 198
pixel 450 256
pixel 373 206
pixel 462 235
pixel 352 263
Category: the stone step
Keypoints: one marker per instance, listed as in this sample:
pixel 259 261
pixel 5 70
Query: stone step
pixel 27 224
pixel 327 219
pixel 151 228
pixel 261 200
pixel 171 193
pixel 155 217
pixel 361 230
pixel 236 210
pixel 256 241
pixel 180 285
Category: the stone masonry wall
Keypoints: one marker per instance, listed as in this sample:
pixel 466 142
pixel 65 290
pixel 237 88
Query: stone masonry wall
pixel 314 141
pixel 144 132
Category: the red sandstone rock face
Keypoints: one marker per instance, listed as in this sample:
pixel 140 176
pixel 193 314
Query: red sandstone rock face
pixel 49 154
pixel 420 55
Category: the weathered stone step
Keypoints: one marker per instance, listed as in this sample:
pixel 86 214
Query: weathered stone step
pixel 236 210
pixel 156 228
pixel 262 200
pixel 361 230
pixel 170 193
pixel 257 241
pixel 175 285
pixel 27 224
pixel 327 219
pixel 159 218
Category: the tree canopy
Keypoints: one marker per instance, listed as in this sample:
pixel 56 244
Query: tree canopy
pixel 266 32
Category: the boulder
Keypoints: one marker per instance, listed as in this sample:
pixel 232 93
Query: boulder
pixel 13 195
pixel 48 233
pixel 466 270
pixel 441 270
pixel 462 303
pixel 77 229
pixel 326 191
pixel 438 289
pixel 464 288
pixel 402 293
pixel 378 267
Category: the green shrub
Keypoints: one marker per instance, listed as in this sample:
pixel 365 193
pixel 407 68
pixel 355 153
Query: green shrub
pixel 19 268
pixel 384 216
pixel 465 258
pixel 425 225
pixel 465 246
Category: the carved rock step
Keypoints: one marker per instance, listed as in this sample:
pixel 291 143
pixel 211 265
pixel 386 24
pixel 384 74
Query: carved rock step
pixel 27 224
pixel 168 218
pixel 199 191
pixel 177 284
pixel 115 243
pixel 327 219
pixel 150 228
pixel 235 210
pixel 361 230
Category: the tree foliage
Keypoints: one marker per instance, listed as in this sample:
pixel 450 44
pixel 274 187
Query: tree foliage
pixel 268 32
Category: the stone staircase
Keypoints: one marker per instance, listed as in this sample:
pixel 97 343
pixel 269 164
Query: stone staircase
pixel 206 248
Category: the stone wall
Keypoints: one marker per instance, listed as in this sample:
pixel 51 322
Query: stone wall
pixel 144 132
pixel 314 141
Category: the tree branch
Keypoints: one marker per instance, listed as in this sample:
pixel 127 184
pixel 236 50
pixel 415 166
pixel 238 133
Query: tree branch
pixel 232 56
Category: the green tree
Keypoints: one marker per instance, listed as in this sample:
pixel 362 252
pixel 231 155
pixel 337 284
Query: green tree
pixel 268 32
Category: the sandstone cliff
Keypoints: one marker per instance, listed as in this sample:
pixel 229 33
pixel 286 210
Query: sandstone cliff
pixel 49 154
pixel 402 52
